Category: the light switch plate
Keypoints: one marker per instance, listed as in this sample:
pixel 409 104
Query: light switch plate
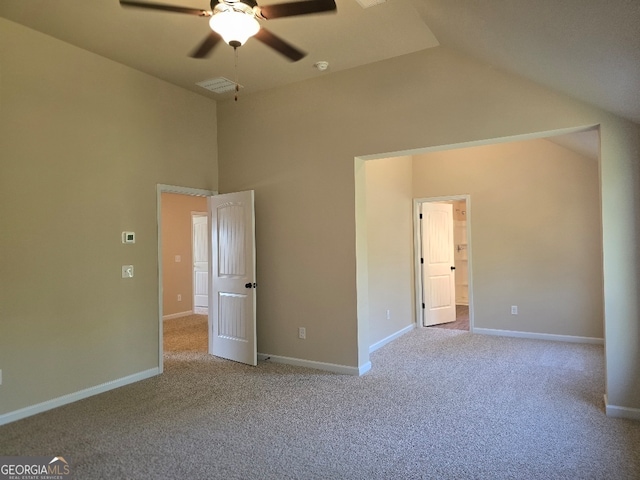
pixel 127 271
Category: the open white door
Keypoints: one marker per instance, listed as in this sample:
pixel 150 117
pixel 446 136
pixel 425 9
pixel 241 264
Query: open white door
pixel 438 270
pixel 232 312
pixel 200 251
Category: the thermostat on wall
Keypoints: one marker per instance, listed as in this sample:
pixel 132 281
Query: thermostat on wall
pixel 128 237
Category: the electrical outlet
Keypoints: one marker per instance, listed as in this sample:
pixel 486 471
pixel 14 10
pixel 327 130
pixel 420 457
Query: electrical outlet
pixel 179 297
pixel 388 314
pixel 302 333
pixel 514 309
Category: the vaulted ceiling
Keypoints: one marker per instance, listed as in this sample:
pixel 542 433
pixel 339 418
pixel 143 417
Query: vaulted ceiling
pixel 588 49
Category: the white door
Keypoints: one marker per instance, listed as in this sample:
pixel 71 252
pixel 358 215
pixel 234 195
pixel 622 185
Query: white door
pixel 232 316
pixel 438 270
pixel 200 250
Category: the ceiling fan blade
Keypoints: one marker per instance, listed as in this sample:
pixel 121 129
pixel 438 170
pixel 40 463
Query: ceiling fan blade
pixel 166 8
pixel 279 45
pixel 204 49
pixel 291 9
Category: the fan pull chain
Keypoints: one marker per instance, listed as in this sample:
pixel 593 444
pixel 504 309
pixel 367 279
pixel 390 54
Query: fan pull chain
pixel 235 52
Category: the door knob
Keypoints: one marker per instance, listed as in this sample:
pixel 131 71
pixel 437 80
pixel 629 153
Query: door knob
pixel 250 285
pixel 453 268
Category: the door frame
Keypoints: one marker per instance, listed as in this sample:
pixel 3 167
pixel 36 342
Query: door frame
pixel 417 249
pixel 160 189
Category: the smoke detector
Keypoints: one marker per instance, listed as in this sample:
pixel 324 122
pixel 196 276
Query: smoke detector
pixel 322 65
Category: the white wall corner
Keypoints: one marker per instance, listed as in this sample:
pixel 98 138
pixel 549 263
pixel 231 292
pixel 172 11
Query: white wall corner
pixel 615 411
pixel 362 369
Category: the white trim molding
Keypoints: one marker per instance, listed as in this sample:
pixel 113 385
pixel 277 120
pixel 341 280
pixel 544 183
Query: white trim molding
pixel 178 315
pixel 391 338
pixel 539 336
pixel 615 411
pixel 74 397
pixel 362 369
pixel 327 367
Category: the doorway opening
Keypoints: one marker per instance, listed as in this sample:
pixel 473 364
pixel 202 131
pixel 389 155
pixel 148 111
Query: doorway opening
pixel 183 323
pixel 229 329
pixel 506 177
pixel 443 262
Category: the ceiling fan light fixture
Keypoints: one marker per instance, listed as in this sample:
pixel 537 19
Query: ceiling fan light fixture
pixel 234 27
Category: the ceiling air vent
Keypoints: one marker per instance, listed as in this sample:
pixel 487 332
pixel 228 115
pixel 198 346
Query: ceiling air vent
pixel 370 3
pixel 218 85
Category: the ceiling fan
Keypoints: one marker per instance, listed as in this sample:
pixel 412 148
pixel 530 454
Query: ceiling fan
pixel 235 21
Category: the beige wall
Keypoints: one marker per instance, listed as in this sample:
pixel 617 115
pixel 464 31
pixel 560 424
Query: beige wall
pixel 301 164
pixel 389 246
pixel 83 143
pixel 177 277
pixel 536 234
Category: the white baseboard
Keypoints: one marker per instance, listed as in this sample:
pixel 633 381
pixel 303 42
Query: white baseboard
pixel 539 336
pixel 201 310
pixel 74 397
pixel 177 315
pixel 391 338
pixel 328 367
pixel 362 369
pixel 621 412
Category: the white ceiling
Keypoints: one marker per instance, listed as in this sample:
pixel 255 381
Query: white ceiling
pixel 589 49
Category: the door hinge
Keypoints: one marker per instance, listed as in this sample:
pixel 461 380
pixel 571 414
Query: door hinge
pixel 422 260
pixel 423 305
pixel 420 216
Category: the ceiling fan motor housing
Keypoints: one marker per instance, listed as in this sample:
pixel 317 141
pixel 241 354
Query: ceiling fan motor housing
pixel 250 3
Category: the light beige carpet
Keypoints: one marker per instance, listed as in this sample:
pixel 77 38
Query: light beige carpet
pixel 185 334
pixel 438 404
